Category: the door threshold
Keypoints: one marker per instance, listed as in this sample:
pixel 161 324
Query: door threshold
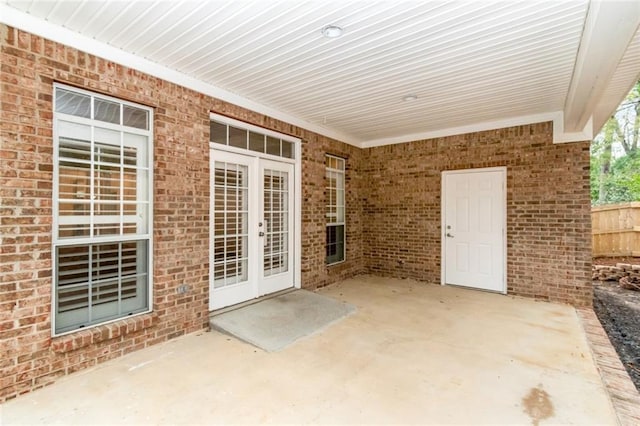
pixel 250 302
pixel 467 287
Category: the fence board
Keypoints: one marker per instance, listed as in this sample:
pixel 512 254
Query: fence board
pixel 616 229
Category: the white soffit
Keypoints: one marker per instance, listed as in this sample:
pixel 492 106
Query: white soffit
pixel 473 65
pixel 608 30
pixel 625 76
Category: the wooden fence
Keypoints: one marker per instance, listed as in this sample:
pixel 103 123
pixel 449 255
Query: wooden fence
pixel 616 229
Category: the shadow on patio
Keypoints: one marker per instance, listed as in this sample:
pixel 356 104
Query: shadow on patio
pixel 412 353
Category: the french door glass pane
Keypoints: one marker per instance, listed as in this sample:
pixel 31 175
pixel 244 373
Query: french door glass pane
pixel 230 224
pixel 256 142
pixel 273 146
pixel 287 149
pixel 276 211
pixel 237 137
pixel 218 133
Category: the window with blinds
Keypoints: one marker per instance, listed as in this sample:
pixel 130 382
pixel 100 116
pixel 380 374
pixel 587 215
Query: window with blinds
pixel 335 209
pixel 102 206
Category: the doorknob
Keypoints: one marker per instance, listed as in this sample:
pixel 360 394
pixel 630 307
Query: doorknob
pixel 449 235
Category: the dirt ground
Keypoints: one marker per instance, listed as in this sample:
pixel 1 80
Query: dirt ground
pixel 619 312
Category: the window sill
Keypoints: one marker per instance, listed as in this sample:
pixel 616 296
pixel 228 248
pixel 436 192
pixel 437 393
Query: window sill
pixel 83 338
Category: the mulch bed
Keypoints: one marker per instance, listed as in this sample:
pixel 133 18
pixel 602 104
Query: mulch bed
pixel 618 310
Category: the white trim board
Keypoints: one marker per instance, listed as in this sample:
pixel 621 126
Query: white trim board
pixel 31 24
pixel 557 117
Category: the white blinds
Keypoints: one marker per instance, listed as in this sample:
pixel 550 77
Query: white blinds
pixel 100 281
pixel 276 213
pixel 230 218
pixel 102 184
pixel 108 271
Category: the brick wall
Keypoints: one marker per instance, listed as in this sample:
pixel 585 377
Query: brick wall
pixel 29 66
pixel 548 208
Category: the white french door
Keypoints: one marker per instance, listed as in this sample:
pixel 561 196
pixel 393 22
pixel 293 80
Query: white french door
pixel 252 238
pixel 473 225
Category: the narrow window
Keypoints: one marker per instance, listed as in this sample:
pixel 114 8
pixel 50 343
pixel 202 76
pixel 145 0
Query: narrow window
pixel 250 138
pixel 335 174
pixel 102 207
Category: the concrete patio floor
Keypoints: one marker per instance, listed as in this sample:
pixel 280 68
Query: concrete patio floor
pixel 411 353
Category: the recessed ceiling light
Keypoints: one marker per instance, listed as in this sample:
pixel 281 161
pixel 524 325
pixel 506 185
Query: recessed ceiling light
pixel 409 98
pixel 332 31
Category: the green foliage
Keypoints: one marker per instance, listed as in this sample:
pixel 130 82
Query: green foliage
pixel 621 183
pixel 615 155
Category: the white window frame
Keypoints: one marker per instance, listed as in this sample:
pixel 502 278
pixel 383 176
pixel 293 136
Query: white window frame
pixel 343 223
pixel 58 242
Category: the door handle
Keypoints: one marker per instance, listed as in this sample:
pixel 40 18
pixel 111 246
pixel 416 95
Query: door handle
pixel 449 235
pixel 262 234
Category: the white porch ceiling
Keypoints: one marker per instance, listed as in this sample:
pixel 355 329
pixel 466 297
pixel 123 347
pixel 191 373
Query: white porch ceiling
pixel 474 65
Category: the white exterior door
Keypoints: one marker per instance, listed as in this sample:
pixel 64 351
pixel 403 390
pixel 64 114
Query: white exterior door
pixel 251 220
pixel 473 225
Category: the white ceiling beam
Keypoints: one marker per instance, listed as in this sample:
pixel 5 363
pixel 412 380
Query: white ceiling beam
pixel 609 27
pixel 561 135
pixel 625 77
